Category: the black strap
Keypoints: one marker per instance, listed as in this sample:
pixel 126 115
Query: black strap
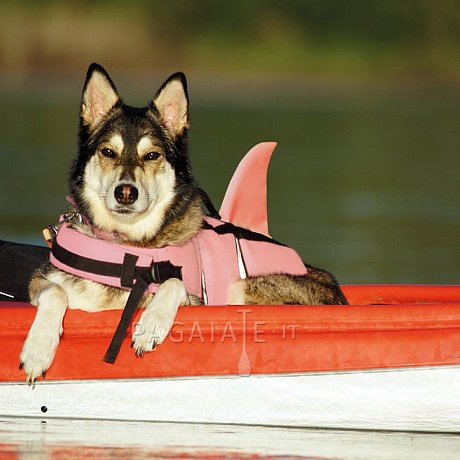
pixel 240 233
pixel 159 271
pixel 134 299
pixel 126 271
pixel 85 264
pixel 131 276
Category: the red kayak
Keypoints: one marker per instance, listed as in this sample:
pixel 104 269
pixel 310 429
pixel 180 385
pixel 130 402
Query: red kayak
pixel 390 360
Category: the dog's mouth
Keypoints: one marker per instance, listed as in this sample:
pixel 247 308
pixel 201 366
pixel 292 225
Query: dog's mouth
pixel 127 211
pixel 124 211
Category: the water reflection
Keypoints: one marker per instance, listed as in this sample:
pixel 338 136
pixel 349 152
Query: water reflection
pixel 32 438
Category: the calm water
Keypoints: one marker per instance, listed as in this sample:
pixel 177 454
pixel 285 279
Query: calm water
pixel 364 183
pixel 79 439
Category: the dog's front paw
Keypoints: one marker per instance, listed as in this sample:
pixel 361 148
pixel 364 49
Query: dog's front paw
pixel 159 315
pixel 150 331
pixel 37 354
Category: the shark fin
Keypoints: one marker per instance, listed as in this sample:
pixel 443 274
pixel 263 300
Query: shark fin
pixel 245 202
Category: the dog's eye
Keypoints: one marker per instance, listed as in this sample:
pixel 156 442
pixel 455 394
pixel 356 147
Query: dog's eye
pixel 152 156
pixel 109 153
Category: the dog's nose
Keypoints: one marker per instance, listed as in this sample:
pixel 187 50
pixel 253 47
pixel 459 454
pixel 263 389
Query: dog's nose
pixel 126 194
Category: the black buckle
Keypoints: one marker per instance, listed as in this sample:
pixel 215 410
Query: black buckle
pixel 162 271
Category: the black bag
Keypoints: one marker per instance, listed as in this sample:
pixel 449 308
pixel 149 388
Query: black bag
pixel 18 262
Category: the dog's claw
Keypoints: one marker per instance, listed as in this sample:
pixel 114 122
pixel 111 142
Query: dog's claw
pixel 139 353
pixel 21 365
pixel 31 382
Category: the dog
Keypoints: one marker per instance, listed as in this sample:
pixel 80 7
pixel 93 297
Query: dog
pixel 132 182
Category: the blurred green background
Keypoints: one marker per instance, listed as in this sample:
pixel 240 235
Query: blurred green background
pixel 362 97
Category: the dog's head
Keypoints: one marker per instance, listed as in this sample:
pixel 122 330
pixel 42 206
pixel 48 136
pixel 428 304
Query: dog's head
pixel 133 162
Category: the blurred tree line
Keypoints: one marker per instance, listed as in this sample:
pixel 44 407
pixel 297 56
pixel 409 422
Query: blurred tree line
pixel 360 37
pixel 378 22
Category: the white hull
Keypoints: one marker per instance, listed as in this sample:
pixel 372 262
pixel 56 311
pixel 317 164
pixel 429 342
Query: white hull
pixel 410 399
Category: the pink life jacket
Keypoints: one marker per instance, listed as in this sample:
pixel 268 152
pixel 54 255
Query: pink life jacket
pixel 208 264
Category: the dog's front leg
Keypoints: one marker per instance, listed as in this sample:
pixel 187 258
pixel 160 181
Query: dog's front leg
pixel 43 338
pixel 158 317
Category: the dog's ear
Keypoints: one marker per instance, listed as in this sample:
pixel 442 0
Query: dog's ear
pixel 99 96
pixel 171 102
